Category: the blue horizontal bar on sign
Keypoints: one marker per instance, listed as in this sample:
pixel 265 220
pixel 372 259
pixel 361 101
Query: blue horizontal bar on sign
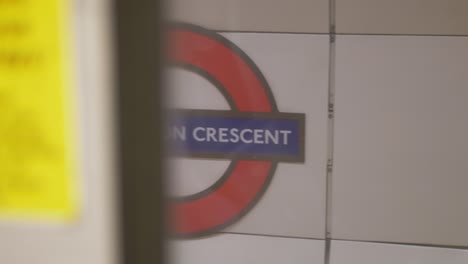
pixel 237 135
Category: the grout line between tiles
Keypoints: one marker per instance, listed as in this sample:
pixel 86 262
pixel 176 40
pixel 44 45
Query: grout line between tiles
pixel 334 33
pixel 272 32
pixel 398 35
pixel 330 131
pixel 404 244
pixel 328 241
pixel 331 16
pixel 276 236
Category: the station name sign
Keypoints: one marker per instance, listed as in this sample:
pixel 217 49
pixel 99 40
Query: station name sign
pixel 232 134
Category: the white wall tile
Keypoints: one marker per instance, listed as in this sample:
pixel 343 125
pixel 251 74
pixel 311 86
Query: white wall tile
pixel 347 252
pixel 433 17
pixel 296 68
pixel 247 249
pixel 401 154
pixel 253 15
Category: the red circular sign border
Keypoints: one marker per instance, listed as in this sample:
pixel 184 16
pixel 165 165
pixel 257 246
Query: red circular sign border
pixel 191 218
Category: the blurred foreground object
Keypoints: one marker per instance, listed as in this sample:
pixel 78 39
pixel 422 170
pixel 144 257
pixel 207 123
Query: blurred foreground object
pixel 38 162
pixel 62 158
pixel 140 120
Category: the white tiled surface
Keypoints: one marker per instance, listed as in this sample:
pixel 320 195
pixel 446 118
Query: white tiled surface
pixel 253 15
pixel 346 252
pixel 247 249
pixel 441 17
pixel 294 203
pixel 401 148
pixel 296 67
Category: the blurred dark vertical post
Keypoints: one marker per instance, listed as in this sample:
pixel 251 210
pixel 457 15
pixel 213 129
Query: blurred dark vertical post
pixel 138 42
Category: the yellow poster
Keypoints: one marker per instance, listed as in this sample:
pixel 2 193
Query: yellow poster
pixel 38 159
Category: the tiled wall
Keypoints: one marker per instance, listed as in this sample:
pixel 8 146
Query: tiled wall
pixel 396 72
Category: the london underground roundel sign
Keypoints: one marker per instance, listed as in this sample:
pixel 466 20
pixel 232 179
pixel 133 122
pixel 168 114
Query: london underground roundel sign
pixel 254 135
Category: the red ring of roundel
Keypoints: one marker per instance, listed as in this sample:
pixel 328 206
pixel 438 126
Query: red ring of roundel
pixel 203 49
